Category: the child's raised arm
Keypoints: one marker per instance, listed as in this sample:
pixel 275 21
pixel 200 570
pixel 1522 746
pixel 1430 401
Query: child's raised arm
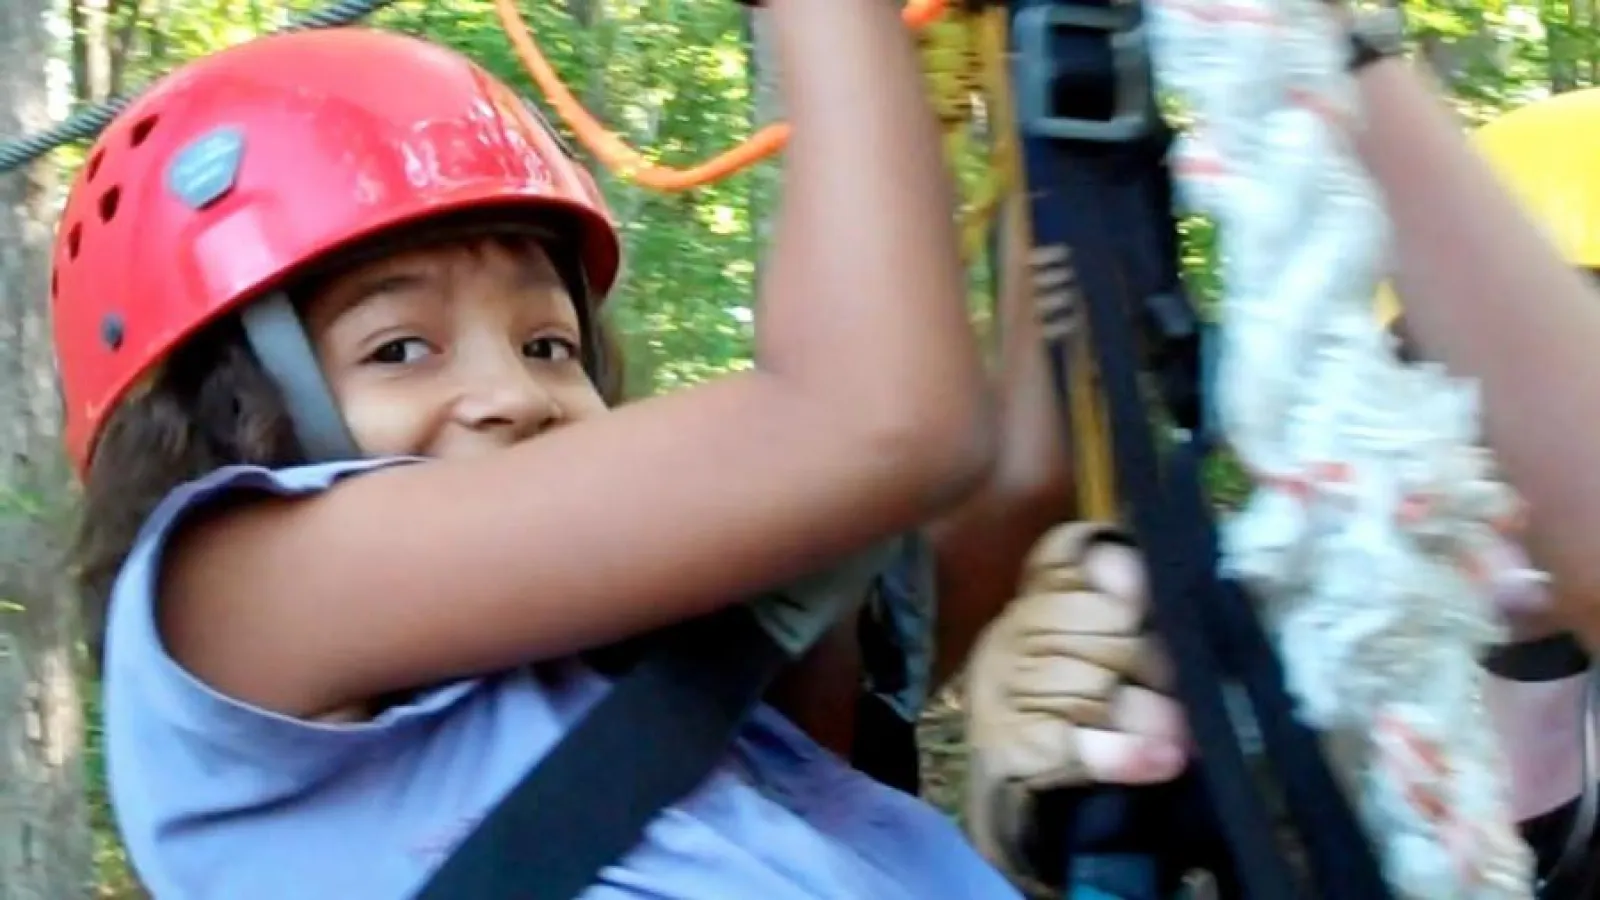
pixel 1487 294
pixel 865 415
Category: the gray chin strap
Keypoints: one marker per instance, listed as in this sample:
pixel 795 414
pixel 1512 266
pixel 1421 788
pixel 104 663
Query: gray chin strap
pixel 278 339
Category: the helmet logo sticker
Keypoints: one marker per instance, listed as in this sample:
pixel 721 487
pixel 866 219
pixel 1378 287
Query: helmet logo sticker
pixel 207 168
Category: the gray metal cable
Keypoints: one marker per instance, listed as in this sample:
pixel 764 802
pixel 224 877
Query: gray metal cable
pixel 87 124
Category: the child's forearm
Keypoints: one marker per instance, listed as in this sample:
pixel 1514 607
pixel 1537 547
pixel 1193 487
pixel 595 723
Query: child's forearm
pixel 865 260
pixel 1034 465
pixel 1487 295
pixel 981 545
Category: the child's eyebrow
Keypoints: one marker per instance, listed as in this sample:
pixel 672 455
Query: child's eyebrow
pixel 346 297
pixel 386 283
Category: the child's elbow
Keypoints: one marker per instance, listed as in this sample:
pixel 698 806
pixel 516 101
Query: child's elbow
pixel 976 446
pixel 950 448
pixel 974 458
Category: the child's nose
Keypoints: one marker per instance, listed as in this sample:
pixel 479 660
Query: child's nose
pixel 507 399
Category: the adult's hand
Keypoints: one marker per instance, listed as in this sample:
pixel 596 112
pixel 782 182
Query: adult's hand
pixel 1063 689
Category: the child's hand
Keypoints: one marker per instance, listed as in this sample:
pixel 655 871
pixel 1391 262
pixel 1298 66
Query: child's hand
pixel 1053 688
pixel 1521 595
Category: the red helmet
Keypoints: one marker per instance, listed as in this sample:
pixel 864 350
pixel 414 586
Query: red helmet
pixel 236 171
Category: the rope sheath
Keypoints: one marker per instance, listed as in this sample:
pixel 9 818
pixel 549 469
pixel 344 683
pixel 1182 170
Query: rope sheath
pixel 1376 535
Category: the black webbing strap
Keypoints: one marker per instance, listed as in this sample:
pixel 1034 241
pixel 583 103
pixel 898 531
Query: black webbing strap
pixel 645 746
pixel 1548 658
pixel 1172 568
pixel 1094 152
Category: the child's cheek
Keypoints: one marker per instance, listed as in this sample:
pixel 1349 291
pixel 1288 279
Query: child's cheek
pixel 387 423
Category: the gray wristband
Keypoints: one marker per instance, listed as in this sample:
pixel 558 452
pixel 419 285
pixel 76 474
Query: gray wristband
pixel 804 610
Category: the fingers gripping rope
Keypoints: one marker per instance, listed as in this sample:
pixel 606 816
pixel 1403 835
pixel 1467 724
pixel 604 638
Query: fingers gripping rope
pixel 87 124
pixel 1376 516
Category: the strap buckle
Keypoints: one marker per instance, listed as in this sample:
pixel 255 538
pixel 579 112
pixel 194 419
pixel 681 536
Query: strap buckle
pixel 1050 59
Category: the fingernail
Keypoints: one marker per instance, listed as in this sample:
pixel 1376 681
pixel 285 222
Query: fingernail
pixel 1163 756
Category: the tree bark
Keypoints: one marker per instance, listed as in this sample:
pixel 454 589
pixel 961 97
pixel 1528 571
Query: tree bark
pixel 44 839
pixel 125 18
pixel 92 66
pixel 768 109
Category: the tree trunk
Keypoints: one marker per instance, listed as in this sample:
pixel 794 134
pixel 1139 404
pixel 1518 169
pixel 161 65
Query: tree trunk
pixel 44 840
pixel 1561 23
pixel 768 108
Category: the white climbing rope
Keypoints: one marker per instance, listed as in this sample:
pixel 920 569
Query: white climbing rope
pixel 1375 535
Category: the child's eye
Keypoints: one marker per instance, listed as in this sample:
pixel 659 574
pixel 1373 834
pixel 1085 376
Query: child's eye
pixel 400 352
pixel 551 348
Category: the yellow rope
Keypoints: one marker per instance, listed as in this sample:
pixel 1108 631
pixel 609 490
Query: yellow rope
pixel 1091 450
pixel 964 57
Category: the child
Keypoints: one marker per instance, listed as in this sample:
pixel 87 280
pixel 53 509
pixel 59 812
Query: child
pixel 325 307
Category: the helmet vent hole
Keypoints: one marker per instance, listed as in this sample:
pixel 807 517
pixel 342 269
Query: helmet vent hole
pixel 109 201
pixel 94 163
pixel 55 283
pixel 74 239
pixel 112 331
pixel 141 130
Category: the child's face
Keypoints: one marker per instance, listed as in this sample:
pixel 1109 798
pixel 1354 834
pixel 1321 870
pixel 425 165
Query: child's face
pixel 452 351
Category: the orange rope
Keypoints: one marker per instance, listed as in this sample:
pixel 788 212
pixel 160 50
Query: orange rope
pixel 616 155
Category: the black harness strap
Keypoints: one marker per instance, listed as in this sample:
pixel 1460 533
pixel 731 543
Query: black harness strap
pixel 644 747
pixel 1543 659
pixel 1094 150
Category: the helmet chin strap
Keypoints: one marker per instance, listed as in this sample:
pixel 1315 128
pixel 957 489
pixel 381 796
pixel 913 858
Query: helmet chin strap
pixel 279 342
pixel 278 339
